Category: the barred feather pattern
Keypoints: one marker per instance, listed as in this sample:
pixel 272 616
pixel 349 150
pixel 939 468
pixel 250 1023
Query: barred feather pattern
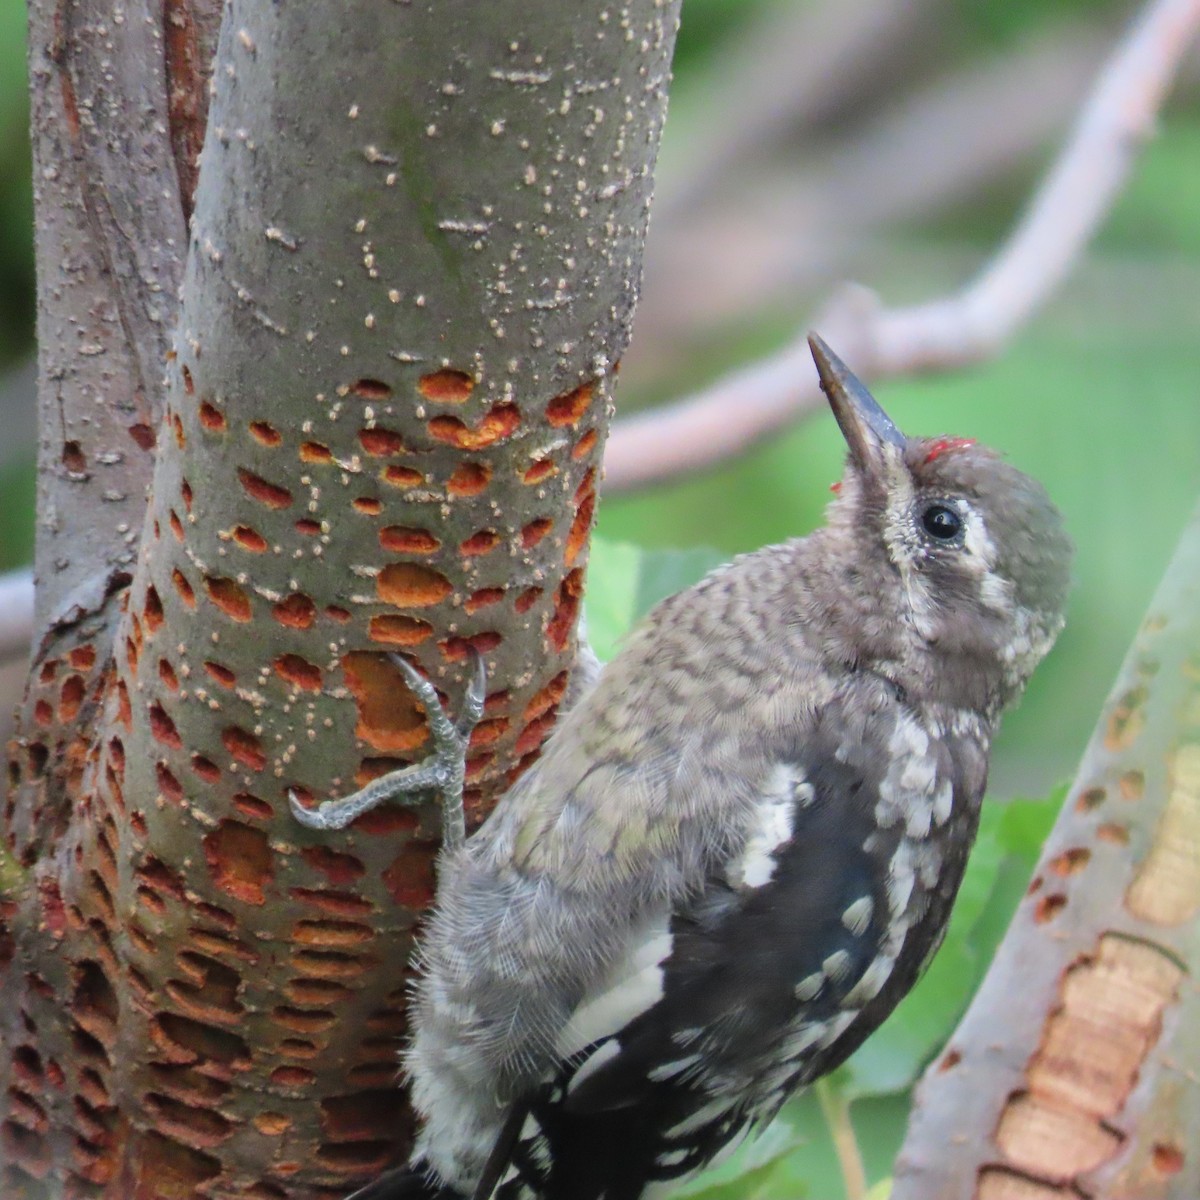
pixel 739 849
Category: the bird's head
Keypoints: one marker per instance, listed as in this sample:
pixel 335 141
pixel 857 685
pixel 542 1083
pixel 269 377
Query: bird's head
pixel 978 549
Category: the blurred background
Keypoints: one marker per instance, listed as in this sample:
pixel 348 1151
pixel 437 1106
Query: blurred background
pixel 893 142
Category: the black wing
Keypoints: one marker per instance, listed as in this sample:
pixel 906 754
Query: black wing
pixel 765 988
pixel 404 1183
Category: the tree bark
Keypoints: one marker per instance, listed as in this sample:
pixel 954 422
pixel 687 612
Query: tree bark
pixel 411 269
pixel 1073 1073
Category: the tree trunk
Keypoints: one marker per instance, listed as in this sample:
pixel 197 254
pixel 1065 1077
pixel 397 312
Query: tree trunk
pixel 411 269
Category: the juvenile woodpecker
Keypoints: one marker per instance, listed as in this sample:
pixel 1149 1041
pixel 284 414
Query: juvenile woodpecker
pixel 739 850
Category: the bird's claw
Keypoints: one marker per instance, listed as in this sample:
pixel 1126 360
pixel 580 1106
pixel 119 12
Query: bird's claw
pixel 443 770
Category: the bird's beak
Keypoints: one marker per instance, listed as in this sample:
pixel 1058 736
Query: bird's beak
pixel 865 426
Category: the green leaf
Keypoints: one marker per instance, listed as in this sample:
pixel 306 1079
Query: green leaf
pixel 794 1157
pixel 18 486
pixel 665 572
pixel 625 581
pixel 610 602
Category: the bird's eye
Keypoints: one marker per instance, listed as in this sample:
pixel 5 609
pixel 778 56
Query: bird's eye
pixel 941 522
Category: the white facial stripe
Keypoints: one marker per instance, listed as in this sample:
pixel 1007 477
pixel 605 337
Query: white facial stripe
pixel 976 539
pixel 995 592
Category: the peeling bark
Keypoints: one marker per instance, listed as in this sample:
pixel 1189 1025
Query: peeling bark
pixel 413 259
pixel 1074 1071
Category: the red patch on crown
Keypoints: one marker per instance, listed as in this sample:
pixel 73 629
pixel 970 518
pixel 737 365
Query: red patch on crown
pixel 945 445
pixel 836 487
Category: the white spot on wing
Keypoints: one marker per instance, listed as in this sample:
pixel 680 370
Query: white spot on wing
pixel 919 773
pixel 798 1040
pixel 669 1070
pixel 602 1054
pixel 857 917
pixel 908 791
pixel 943 803
pixel 633 985
pixel 837 965
pixel 927 858
pixel 809 988
pixel 871 983
pixel 918 818
pixel 835 1028
pixel 772 826
pixel 901 879
pixel 709 1114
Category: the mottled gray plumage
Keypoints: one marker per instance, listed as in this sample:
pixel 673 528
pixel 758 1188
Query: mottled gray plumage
pixel 740 848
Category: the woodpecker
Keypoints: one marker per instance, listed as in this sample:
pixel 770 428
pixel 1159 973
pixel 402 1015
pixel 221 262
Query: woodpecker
pixel 739 850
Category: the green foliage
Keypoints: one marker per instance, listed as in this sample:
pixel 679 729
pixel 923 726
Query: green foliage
pixel 625 582
pixel 1158 211
pixel 17 487
pixel 16 193
pixel 705 26
pixel 999 24
pixel 794 1157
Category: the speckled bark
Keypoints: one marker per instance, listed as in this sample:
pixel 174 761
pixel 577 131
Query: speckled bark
pixel 1074 1071
pixel 412 266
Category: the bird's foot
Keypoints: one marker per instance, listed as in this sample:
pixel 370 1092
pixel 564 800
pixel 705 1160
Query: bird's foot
pixel 442 771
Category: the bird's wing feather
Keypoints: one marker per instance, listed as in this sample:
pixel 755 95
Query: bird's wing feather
pixel 404 1183
pixel 501 1155
pixel 740 954
pixel 793 952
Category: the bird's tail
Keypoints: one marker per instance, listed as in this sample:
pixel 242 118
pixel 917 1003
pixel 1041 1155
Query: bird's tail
pixel 405 1183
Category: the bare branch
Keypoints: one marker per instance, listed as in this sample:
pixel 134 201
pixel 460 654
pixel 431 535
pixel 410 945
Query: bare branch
pixel 914 156
pixel 1065 213
pixel 792 63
